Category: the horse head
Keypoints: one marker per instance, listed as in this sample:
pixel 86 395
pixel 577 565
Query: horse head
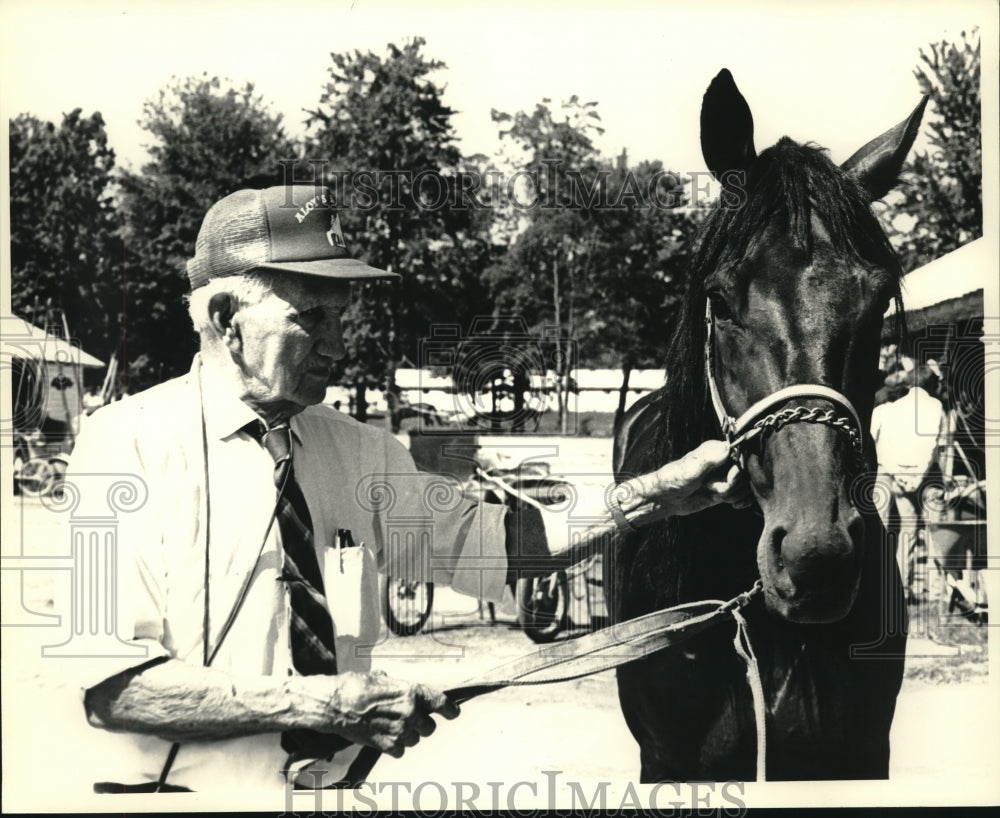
pixel 794 276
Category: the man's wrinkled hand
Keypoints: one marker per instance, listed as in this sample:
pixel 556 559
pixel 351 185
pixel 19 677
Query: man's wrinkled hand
pixel 382 712
pixel 704 477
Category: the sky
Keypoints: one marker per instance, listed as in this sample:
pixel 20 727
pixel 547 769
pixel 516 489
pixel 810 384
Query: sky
pixel 835 73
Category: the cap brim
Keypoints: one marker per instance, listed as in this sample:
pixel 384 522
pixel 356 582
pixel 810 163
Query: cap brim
pixel 347 269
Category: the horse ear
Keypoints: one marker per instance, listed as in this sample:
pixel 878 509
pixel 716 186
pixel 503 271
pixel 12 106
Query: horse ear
pixel 877 165
pixel 726 127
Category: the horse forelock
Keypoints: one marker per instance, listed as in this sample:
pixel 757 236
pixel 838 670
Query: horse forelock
pixel 787 185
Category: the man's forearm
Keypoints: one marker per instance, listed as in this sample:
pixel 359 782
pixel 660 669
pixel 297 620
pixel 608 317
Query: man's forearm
pixel 551 540
pixel 700 479
pixel 181 702
pixel 542 547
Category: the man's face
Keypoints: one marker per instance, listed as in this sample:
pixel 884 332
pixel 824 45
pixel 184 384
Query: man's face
pixel 286 344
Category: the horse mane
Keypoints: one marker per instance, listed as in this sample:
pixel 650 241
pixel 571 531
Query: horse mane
pixel 784 187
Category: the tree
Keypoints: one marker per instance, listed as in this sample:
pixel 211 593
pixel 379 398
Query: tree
pixel 640 271
pixel 65 248
pixel 553 155
pixel 600 255
pixel 939 208
pixel 383 133
pixel 210 140
pixel 940 205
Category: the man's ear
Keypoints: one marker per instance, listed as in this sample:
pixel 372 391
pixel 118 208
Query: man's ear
pixel 222 309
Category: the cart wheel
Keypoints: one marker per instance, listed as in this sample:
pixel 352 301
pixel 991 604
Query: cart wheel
pixel 59 465
pixel 406 605
pixel 37 477
pixel 18 468
pixel 542 604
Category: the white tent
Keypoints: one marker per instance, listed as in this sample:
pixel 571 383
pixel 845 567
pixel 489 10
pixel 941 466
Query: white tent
pixel 958 273
pixel 24 340
pixel 56 370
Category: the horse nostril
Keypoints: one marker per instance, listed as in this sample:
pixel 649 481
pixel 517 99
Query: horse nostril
pixel 777 539
pixel 856 529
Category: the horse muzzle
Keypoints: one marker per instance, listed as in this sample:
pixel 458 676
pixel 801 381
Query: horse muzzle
pixel 811 572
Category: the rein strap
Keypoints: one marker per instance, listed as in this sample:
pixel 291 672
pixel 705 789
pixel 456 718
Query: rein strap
pixel 603 650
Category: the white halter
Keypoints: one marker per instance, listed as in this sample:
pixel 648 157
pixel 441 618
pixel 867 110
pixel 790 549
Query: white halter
pixel 766 416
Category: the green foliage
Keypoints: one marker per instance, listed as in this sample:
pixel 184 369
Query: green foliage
pixel 382 125
pixel 601 254
pixel 640 270
pixel 209 140
pixel 65 249
pixel 585 254
pixel 941 195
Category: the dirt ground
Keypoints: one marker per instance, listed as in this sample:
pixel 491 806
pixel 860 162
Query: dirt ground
pixel 945 741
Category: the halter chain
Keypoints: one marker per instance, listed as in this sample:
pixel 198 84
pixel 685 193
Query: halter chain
pixel 754 422
pixel 776 420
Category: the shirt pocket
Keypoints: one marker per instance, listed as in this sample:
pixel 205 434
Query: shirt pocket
pixel 352 592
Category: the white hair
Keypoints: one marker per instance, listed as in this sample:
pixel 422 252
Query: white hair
pixel 248 289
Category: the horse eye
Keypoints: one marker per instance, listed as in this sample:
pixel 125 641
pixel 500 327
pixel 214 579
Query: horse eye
pixel 720 309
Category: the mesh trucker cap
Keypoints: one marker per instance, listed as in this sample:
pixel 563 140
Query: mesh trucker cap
pixel 292 228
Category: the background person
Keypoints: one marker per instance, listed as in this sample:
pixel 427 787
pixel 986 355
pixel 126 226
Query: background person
pixel 906 429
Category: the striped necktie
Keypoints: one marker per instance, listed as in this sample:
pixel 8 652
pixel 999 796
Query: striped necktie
pixel 311 635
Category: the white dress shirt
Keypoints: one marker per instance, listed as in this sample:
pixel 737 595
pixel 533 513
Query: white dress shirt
pixel 211 492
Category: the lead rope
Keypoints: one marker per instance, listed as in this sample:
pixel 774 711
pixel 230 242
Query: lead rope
pixel 741 642
pixel 600 651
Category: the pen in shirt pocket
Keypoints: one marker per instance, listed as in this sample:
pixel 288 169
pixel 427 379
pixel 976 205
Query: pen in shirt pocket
pixel 344 540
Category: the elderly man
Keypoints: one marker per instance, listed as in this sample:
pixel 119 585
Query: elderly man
pixel 249 576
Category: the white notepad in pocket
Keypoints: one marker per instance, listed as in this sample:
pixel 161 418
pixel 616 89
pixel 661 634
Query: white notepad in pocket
pixel 351 579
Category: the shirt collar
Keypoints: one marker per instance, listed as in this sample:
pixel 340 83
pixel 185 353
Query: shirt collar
pixel 225 414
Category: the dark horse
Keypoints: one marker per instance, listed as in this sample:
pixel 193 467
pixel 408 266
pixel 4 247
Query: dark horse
pixel 792 276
